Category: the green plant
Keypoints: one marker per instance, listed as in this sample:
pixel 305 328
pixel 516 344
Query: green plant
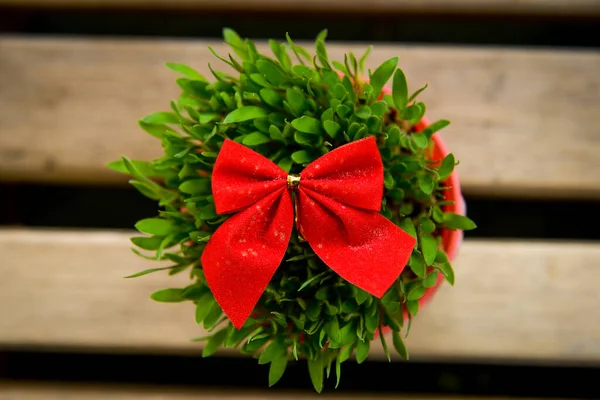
pixel 292 113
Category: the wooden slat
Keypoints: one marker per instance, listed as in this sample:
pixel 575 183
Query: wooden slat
pixel 515 7
pixel 524 122
pixel 36 391
pixel 512 300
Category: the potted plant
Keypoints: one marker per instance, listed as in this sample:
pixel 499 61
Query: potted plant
pixel 313 208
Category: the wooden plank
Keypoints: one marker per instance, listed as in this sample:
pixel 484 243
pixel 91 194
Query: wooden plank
pixel 49 391
pixel 524 122
pixel 512 300
pixel 511 7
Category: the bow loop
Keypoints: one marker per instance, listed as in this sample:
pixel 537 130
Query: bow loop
pixel 351 174
pixel 241 177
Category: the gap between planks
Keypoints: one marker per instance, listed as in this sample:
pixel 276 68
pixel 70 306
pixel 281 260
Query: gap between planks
pixel 524 122
pixel 560 8
pixel 513 300
pixel 46 391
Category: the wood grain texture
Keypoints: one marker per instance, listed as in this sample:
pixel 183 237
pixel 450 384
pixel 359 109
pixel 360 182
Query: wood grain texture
pixel 512 300
pixel 514 7
pixel 37 391
pixel 524 122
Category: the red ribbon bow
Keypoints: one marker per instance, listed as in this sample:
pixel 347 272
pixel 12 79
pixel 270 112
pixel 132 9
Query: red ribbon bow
pixel 338 199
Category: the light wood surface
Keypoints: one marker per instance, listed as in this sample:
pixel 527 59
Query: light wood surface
pixel 515 7
pixel 36 391
pixel 524 122
pixel 512 300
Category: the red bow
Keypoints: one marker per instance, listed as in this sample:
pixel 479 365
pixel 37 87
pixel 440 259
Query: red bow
pixel 338 199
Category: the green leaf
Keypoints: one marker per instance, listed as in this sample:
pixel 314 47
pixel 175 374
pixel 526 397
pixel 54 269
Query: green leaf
pixel 361 296
pixel 379 108
pixel 417 265
pixel 311 280
pixel 342 110
pixel 431 279
pixel 372 321
pixel 332 128
pixel 332 327
pixel 322 52
pixel 384 345
pixel 363 59
pixel 341 67
pixel 436 126
pixel 382 74
pixel 393 139
pixel 148 271
pixel 275 349
pixel 407 226
pixel 255 139
pixel 236 336
pixel 315 370
pixel 215 342
pixel 236 43
pixel 456 221
pixel 338 370
pixel 399 345
pixel 388 180
pixel 302 157
pixel 415 293
pixel 271 97
pixel 295 99
pixel 206 117
pixel 275 133
pixel 426 226
pixel 428 248
pixel 446 167
pixel 168 296
pixel 195 186
pixel 244 114
pixel 271 72
pixel 415 94
pixel 413 113
pixel 362 351
pixel 308 125
pixel 277 369
pixel 204 306
pixel 420 140
pixel 285 164
pixel 426 182
pixel 363 112
pixel 142 167
pixel 147 243
pixel 213 316
pixel 186 71
pixel 400 89
pixel 448 272
pixel 156 226
pixel 156 130
pixel 161 117
pixel 438 215
pixel 412 307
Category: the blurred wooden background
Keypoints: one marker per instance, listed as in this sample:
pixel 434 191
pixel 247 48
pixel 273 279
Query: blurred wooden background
pixel 518 79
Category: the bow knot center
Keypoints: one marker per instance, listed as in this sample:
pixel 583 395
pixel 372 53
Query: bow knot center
pixel 293 181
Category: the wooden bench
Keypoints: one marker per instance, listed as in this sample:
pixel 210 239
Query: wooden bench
pixel 524 125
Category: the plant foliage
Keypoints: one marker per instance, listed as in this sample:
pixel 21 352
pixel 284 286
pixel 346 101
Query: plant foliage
pixel 293 107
